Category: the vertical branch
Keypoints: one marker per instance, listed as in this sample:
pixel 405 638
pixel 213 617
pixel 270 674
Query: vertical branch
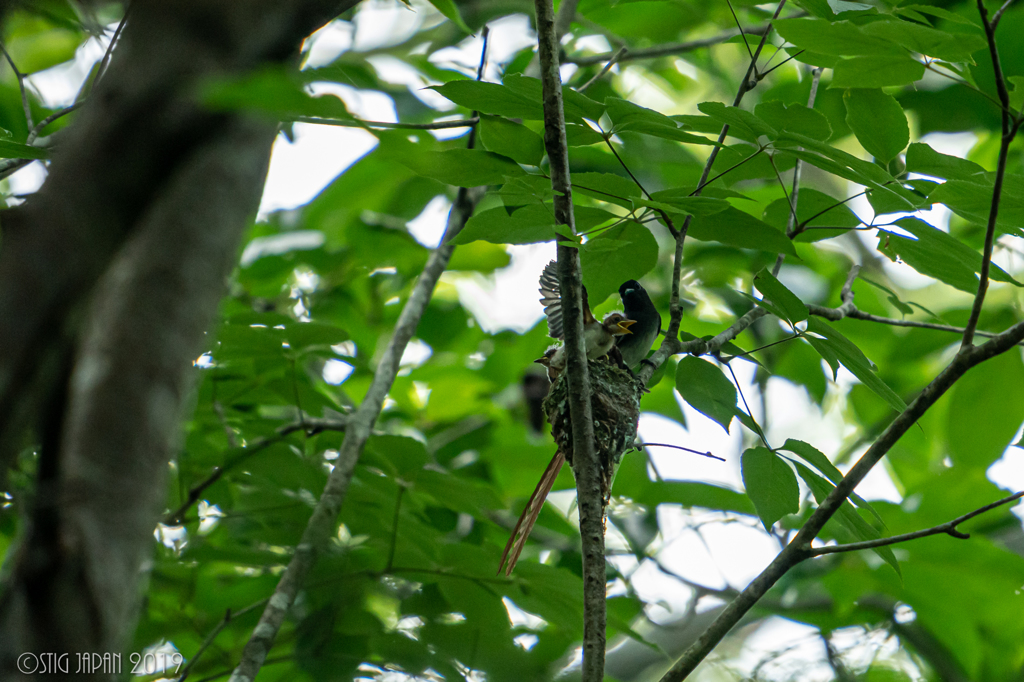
pixel 21 84
pixel 321 524
pixel 1009 130
pixel 585 465
pixel 794 195
pixel 671 345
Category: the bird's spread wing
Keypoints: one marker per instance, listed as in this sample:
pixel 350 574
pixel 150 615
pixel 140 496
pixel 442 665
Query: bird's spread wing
pixel 521 532
pixel 551 299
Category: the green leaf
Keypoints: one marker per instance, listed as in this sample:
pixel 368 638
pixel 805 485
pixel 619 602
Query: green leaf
pixel 942 13
pixel 577 105
pixel 513 140
pixel 869 71
pixel 737 228
pixel 491 98
pixel 771 485
pixel 878 121
pixel 693 494
pixel 449 10
pixel 984 411
pixel 274 91
pixel 973 200
pixel 680 201
pixel 740 118
pixel 776 292
pixel 924 160
pixel 819 461
pixel 305 335
pixel 794 117
pixel 608 187
pixel 706 389
pixel 527 225
pixel 833 37
pixel 479 256
pixel 816 209
pixel 854 360
pixel 633 118
pixel 927 41
pixel 634 253
pixel 845 165
pixel 892 297
pixel 854 527
pixel 459 167
pixel 15 150
pixel 1017 94
pixel 938 254
pixel 580 135
pixel 404 457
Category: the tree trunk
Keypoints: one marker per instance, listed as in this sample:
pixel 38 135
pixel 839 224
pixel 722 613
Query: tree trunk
pixel 110 277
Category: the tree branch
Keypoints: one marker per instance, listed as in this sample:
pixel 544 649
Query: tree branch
pixel 585 464
pixel 666 50
pixel 671 345
pixel 564 18
pixel 357 431
pixel 800 547
pixel 617 57
pixel 236 456
pixel 1009 127
pixel 948 528
pixel 356 123
pixel 26 107
pixel 321 524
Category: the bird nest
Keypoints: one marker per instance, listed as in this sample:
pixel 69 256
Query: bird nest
pixel 616 413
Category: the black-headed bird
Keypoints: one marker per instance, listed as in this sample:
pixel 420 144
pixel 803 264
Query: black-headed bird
pixel 599 338
pixel 638 306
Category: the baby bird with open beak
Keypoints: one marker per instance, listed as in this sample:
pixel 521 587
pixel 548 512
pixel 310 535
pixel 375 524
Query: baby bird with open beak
pixel 598 336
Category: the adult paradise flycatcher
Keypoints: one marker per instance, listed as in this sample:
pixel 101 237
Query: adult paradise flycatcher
pixel 599 338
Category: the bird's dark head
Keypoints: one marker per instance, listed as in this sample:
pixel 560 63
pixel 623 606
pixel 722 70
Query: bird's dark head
pixel 628 287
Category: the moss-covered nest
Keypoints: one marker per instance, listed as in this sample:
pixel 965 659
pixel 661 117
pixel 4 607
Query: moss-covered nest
pixel 616 409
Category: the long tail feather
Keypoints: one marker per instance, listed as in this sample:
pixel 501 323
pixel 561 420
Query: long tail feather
pixel 528 518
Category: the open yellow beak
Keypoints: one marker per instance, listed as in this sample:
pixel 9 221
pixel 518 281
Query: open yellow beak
pixel 623 327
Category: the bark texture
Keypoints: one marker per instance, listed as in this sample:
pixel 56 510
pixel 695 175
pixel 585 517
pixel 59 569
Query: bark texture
pixel 109 278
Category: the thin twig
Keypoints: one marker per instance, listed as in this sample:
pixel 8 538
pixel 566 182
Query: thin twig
pixel 740 29
pixel 795 194
pixel 39 127
pixel 758 430
pixel 240 455
pixel 999 14
pixel 765 74
pixel 678 447
pixel 666 50
pixel 1009 128
pixel 705 183
pixel 671 344
pixel 321 524
pixel 21 84
pixel 394 528
pixel 356 123
pixel 948 528
pixel 110 46
pixel 607 67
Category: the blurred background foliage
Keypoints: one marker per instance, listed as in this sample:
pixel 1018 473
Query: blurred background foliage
pixel 408 588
